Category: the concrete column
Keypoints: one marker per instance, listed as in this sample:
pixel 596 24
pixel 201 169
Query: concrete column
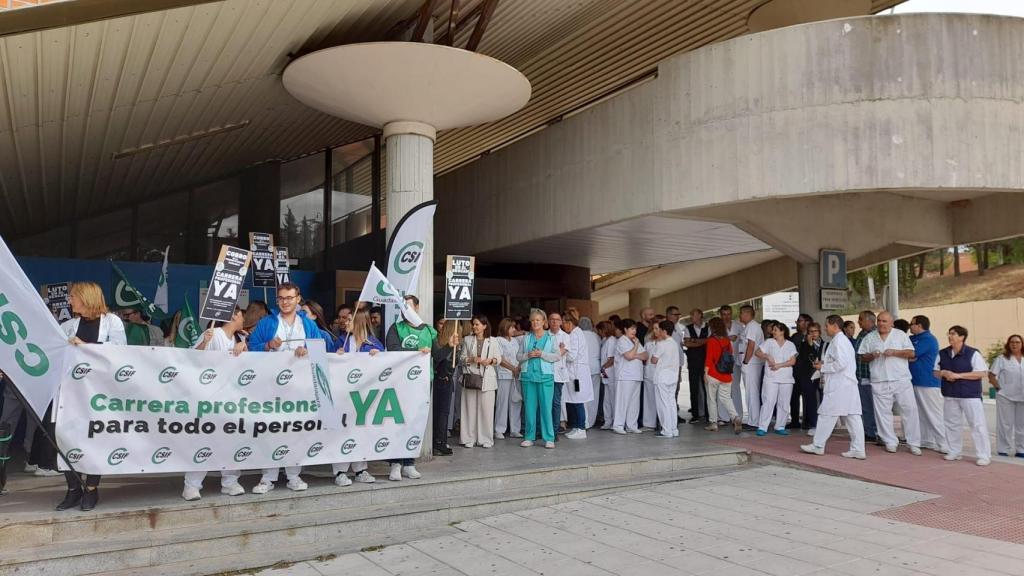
pixel 639 298
pixel 410 166
pixel 259 208
pixel 808 283
pixel 893 301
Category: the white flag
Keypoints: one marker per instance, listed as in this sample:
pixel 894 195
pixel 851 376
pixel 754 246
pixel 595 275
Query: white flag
pixel 379 291
pixel 32 345
pixel 160 299
pixel 408 241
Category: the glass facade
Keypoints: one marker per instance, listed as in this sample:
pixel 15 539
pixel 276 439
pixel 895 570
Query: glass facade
pixel 352 191
pixel 302 207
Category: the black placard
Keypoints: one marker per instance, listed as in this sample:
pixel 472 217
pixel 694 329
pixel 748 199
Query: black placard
pixel 458 290
pixel 57 300
pixel 281 264
pixel 263 264
pixel 225 284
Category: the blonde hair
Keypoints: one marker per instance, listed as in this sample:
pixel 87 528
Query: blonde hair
pixel 360 332
pixel 91 297
pixel 538 312
pixel 447 329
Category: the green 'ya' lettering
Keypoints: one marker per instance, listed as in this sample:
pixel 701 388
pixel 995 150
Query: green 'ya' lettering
pixel 388 407
pixel 362 407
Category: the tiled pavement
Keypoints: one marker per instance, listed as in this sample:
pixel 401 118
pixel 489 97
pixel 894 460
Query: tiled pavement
pixel 981 501
pixel 763 520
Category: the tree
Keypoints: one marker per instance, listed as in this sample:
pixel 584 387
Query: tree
pixel 956 260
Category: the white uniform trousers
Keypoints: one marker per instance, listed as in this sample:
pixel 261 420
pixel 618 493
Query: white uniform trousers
pixel 1009 426
pixel 736 392
pixel 228 478
pixel 777 396
pixel 854 424
pixel 650 419
pixel 665 395
pixel 608 404
pixel 954 409
pixel 508 411
pixel 270 474
pixel 883 395
pixel 591 405
pixel 627 404
pixel 356 467
pixel 929 415
pixel 752 374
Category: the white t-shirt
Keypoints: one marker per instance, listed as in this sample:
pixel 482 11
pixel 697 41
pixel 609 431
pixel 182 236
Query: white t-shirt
pixel 667 369
pixel 752 332
pixel 779 354
pixel 888 368
pixel 292 337
pixel 632 370
pixel 608 351
pixel 648 367
pixel 977 362
pixel 1010 373
pixel 220 342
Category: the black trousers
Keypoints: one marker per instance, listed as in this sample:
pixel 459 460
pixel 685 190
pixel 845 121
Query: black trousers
pixel 442 403
pixel 91 480
pixel 698 407
pixel 806 390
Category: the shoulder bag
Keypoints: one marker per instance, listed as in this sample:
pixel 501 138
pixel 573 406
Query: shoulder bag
pixel 471 381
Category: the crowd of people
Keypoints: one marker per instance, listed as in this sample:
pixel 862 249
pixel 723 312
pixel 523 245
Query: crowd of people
pixel 554 375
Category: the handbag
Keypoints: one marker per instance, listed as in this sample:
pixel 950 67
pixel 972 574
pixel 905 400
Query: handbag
pixel 471 381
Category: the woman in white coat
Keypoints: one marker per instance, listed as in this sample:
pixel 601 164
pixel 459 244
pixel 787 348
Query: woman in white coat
pixel 594 360
pixel 580 388
pixel 481 355
pixel 838 368
pixel 93 324
pixel 1007 376
pixel 509 399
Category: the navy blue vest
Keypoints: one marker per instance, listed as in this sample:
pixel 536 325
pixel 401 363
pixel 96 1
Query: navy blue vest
pixel 961 363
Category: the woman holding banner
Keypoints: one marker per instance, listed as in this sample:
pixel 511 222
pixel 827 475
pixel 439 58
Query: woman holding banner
pixel 224 338
pixel 537 358
pixel 93 324
pixel 358 340
pixel 481 355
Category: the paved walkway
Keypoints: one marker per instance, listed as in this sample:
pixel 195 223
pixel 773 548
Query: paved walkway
pixel 982 501
pixel 765 520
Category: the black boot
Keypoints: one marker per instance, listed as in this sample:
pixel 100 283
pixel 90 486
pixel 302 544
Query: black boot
pixel 89 499
pixel 71 499
pixel 442 450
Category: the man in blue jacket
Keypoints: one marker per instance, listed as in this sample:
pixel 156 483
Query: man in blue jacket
pixel 927 388
pixel 286 331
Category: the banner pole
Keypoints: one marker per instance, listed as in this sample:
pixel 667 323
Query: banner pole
pixel 41 426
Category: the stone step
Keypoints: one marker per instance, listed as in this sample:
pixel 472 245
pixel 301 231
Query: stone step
pixel 304 532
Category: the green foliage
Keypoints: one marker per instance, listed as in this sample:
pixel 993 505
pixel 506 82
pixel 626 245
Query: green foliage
pixel 993 351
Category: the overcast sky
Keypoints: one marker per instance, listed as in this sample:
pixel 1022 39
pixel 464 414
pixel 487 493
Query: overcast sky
pixel 1005 7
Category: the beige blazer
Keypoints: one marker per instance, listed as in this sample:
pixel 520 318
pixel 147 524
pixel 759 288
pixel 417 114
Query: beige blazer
pixel 490 348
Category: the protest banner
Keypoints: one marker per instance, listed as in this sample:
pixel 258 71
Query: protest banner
pixel 176 410
pixel 263 265
pixel 458 293
pixel 281 265
pixel 56 296
pixel 225 284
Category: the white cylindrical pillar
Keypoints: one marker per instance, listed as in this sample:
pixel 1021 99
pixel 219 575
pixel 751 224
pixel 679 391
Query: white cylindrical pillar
pixel 894 289
pixel 808 284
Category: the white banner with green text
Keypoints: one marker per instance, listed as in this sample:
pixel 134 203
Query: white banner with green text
pixel 131 410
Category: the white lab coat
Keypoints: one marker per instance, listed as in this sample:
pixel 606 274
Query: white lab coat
pixel 111 329
pixel 839 374
pixel 577 365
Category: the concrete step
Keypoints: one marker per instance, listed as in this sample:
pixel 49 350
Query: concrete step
pixel 186 539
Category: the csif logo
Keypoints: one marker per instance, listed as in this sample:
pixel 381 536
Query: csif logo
pixel 315 449
pixel 284 377
pixel 207 376
pixel 381 445
pixel 348 446
pixel 74 455
pixel 354 375
pixel 384 375
pixel 168 374
pixel 280 452
pixel 413 443
pixel 411 342
pixel 80 370
pixel 242 454
pixel 202 455
pixel 414 372
pixel 247 377
pixel 124 373
pixel 117 456
pixel 160 455
pixel 406 259
pixel 382 290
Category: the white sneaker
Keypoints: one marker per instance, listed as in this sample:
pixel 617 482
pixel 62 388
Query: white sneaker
pixel 516 435
pixel 854 455
pixel 811 431
pixel 579 435
pixel 660 435
pixel 263 487
pixel 983 462
pixel 915 450
pixel 31 468
pixel 190 493
pixel 526 443
pixel 634 431
pixel 549 445
pixel 467 445
pixel 46 472
pixel 342 479
pixel 487 445
pixel 812 449
pixel 499 436
pixel 951 457
pixel 411 472
pixel 619 431
pixel 365 477
pixel 233 490
pixel 891 449
pixel 606 427
pixel 296 484
pixel 396 473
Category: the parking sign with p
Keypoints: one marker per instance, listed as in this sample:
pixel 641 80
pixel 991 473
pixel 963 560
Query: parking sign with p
pixel 833 269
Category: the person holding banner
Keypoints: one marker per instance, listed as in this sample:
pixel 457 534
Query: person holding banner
pixel 93 324
pixel 481 355
pixel 538 380
pixel 286 331
pixel 403 336
pixel 358 340
pixel 445 365
pixel 578 390
pixel 224 338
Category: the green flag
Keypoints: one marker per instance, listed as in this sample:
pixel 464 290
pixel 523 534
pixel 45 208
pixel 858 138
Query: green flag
pixel 187 333
pixel 126 295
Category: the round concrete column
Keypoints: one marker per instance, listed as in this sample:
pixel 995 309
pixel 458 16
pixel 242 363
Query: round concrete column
pixel 809 287
pixel 639 298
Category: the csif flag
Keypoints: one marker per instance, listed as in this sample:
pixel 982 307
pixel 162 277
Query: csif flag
pixel 126 295
pixel 160 298
pixel 187 333
pixel 409 242
pixel 379 291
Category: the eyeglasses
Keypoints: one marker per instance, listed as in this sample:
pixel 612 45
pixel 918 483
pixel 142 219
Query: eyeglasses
pixel 287 298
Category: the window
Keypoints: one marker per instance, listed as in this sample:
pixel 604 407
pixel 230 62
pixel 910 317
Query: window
pixel 352 191
pixel 213 220
pixel 302 208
